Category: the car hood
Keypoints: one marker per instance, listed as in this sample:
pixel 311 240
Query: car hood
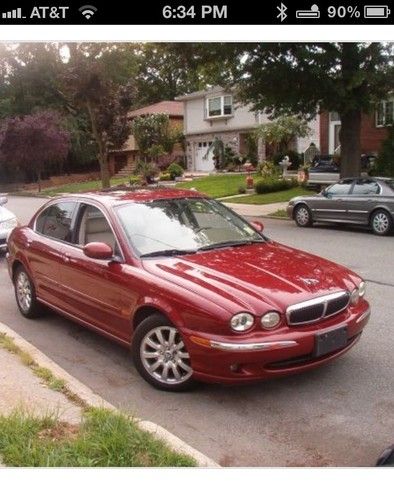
pixel 305 198
pixel 5 214
pixel 256 277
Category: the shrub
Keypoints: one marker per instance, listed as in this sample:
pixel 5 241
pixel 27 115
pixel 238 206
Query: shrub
pixel 270 185
pixel 385 161
pixel 175 170
pixel 146 170
pixel 241 190
pixel 165 177
pixel 268 169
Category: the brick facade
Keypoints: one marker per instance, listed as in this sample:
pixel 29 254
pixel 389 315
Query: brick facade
pixel 371 135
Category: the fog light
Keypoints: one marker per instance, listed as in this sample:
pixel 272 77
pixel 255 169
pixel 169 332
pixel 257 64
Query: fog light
pixel 270 320
pixel 354 297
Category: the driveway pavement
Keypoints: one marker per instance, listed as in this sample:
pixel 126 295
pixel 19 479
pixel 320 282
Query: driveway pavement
pixel 340 414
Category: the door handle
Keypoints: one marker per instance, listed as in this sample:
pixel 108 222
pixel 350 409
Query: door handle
pixel 66 258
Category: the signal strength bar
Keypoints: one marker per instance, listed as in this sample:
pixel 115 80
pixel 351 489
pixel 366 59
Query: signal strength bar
pixel 12 14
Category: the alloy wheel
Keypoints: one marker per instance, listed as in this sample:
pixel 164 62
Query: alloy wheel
pixel 380 223
pixel 302 216
pixel 24 291
pixel 164 355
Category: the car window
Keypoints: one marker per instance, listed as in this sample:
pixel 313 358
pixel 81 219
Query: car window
pixel 55 221
pixel 365 187
pixel 342 187
pixel 94 227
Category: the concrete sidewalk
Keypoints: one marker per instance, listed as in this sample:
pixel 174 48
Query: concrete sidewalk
pixel 256 210
pixel 22 389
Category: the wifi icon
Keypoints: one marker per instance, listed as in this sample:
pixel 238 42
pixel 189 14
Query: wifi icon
pixel 87 10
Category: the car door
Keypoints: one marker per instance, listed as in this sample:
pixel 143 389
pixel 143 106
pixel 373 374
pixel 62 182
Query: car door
pixel 332 204
pixel 361 199
pixel 98 291
pixel 46 247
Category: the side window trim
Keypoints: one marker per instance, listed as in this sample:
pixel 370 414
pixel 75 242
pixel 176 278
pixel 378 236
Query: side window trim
pixel 82 204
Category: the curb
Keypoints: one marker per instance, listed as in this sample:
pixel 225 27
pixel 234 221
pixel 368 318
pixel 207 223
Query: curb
pixel 93 399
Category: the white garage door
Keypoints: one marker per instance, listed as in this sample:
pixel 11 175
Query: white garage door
pixel 201 163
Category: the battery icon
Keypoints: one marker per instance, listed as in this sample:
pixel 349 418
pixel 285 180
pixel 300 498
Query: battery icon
pixel 376 11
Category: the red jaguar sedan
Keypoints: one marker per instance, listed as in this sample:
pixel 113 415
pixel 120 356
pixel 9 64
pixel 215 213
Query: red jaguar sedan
pixel 191 288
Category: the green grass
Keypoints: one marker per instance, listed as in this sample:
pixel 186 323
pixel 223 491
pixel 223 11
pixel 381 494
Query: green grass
pixel 279 213
pixel 217 186
pixel 103 439
pixel 79 187
pixel 263 199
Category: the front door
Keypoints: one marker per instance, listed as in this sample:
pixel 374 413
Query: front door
pixel 203 158
pixel 98 291
pixel 334 204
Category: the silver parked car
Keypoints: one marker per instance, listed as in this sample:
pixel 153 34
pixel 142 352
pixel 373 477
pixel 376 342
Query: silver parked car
pixel 7 223
pixel 365 201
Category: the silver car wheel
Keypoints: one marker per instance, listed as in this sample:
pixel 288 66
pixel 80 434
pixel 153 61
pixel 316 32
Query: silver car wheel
pixel 164 355
pixel 24 291
pixel 302 216
pixel 380 222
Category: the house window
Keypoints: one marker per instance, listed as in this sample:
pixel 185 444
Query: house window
pixel 385 113
pixel 219 106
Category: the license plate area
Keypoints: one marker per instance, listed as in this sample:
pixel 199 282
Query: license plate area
pixel 326 342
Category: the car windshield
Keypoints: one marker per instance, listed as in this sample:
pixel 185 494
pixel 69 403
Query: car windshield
pixel 188 225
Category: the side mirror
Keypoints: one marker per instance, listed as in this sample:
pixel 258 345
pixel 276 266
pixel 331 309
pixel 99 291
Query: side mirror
pixel 323 192
pixel 98 250
pixel 3 200
pixel 259 226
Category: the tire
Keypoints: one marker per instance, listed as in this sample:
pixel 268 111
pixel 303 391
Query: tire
pixel 25 294
pixel 303 216
pixel 156 342
pixel 381 222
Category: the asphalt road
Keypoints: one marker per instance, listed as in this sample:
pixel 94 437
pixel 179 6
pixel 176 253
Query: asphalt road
pixel 338 415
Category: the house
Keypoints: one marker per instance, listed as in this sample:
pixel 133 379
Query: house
pixel 122 162
pixel 215 113
pixel 374 129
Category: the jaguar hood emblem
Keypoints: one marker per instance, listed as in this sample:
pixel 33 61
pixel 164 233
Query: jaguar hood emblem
pixel 310 281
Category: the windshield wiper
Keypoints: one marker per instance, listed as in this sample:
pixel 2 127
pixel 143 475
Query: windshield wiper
pixel 167 253
pixel 224 244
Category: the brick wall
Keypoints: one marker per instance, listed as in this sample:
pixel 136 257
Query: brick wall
pixel 371 136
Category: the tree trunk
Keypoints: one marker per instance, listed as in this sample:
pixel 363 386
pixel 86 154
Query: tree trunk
pixel 349 137
pixel 102 150
pixel 39 180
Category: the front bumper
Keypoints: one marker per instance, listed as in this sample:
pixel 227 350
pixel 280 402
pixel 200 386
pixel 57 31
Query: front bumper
pixel 263 355
pixel 289 210
pixel 4 233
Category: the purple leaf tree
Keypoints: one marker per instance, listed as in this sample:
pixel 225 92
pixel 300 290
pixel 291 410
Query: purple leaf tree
pixel 34 142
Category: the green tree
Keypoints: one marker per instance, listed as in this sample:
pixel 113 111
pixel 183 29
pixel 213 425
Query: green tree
pixel 279 133
pixel 92 89
pixel 153 135
pixel 302 78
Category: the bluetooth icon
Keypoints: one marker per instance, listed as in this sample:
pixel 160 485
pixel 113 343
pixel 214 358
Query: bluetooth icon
pixel 282 12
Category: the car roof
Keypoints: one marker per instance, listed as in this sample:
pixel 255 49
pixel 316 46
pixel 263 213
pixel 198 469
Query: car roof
pixel 119 196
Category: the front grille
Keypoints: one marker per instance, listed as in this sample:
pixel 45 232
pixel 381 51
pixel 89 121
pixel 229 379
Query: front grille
pixel 315 309
pixel 2 241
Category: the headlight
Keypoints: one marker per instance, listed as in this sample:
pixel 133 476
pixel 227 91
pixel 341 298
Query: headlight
pixel 270 320
pixel 9 224
pixel 362 289
pixel 242 321
pixel 354 297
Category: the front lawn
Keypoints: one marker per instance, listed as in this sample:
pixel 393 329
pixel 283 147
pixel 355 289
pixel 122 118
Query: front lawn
pixel 277 197
pixel 80 187
pixel 217 186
